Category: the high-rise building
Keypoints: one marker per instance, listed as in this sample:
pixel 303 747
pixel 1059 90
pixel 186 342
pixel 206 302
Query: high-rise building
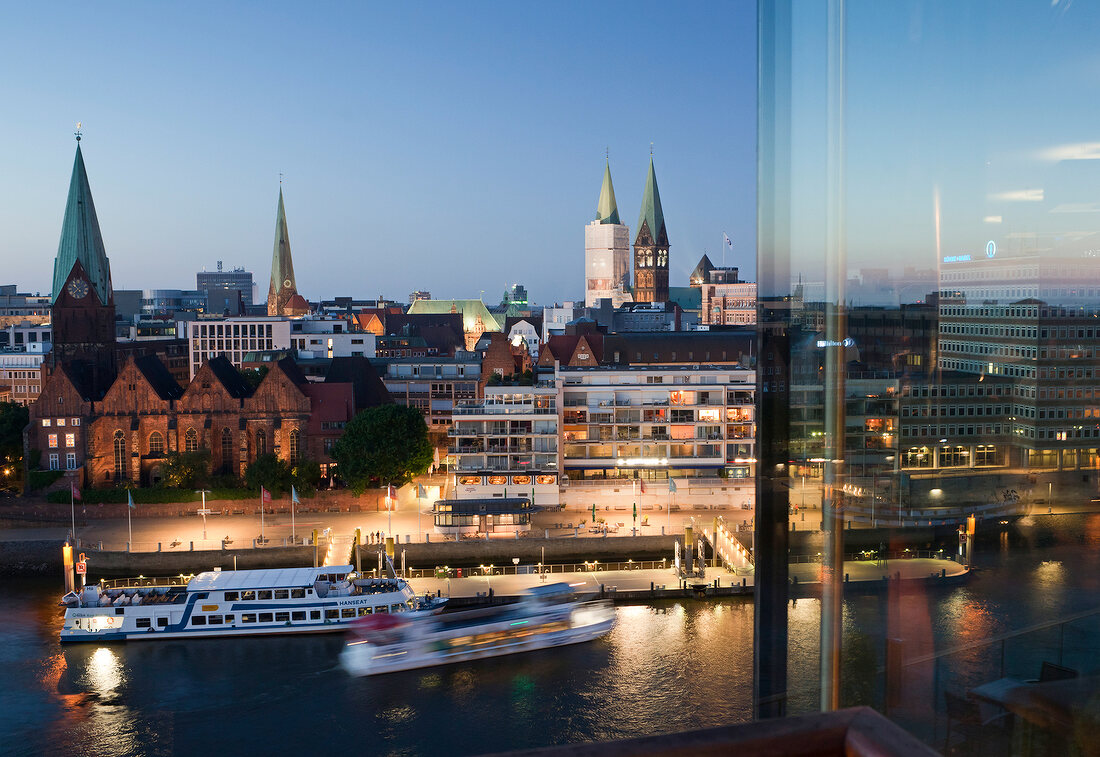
pixel 651 246
pixel 221 279
pixel 83 306
pixel 606 250
pixel 282 294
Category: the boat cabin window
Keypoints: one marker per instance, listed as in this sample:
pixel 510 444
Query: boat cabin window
pixel 198 620
pixel 282 617
pixel 314 614
pixel 248 596
pixel 215 620
pixel 120 611
pixel 331 614
pixel 265 617
pixel 248 617
pixel 228 619
pixel 365 610
pixel 297 593
pixel 282 594
pixel 398 608
pixel 348 612
pixel 266 594
pixel 298 615
pixel 381 608
pixel 202 595
pixel 162 622
pixel 143 623
pixel 232 596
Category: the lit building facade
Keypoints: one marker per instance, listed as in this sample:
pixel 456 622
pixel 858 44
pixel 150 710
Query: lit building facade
pixel 606 251
pixel 506 444
pixel 234 338
pixel 657 421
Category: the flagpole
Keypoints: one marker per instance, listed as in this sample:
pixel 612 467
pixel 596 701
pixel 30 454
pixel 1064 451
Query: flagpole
pixel 261 516
pixel 293 497
pixel 72 508
pixel 419 508
pixel 129 523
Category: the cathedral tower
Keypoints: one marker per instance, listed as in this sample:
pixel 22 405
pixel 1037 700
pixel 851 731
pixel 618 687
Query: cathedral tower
pixel 606 250
pixel 282 294
pixel 651 246
pixel 82 310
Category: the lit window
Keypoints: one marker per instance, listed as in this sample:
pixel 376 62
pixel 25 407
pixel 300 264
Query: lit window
pixel 70 440
pixel 60 421
pixel 53 440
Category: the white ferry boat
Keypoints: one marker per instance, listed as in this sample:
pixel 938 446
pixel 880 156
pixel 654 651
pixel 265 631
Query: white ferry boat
pixel 546 616
pixel 235 603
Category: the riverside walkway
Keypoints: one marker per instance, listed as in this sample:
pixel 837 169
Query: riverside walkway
pixel 628 583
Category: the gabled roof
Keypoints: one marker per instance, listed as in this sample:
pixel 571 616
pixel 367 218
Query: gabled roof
pixel 534 320
pixel 289 367
pixel 158 376
pixel 81 239
pixel 607 211
pixel 702 271
pixel 563 347
pixel 229 377
pixel 652 217
pixel 368 388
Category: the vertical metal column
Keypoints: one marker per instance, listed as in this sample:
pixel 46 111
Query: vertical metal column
pixel 836 347
pixel 773 357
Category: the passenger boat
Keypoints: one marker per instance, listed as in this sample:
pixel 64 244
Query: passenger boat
pixel 546 616
pixel 235 603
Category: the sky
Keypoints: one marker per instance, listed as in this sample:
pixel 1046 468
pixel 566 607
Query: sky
pixel 453 147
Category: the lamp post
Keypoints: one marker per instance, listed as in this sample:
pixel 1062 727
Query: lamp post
pixel 203 511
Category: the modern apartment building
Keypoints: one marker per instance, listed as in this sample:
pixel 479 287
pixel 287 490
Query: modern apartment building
pixel 235 337
pixel 657 421
pixel 506 444
pixel 432 384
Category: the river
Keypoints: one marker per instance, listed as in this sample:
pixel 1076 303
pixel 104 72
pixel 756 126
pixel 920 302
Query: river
pixel 667 666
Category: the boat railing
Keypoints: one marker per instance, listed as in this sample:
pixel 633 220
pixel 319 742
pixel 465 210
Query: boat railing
pixel 132 583
pixel 595 566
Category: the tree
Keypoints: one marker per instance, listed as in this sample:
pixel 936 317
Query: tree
pixel 269 472
pixel 386 444
pixel 254 375
pixel 13 419
pixel 187 470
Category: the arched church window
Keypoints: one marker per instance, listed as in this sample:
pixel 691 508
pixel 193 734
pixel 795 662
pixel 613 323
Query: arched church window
pixel 120 455
pixel 227 450
pixel 156 443
pixel 261 442
pixel 294 441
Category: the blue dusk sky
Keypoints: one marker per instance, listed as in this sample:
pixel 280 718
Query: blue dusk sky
pixel 454 147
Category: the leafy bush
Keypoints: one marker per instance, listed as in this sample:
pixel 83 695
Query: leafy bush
pixel 40 479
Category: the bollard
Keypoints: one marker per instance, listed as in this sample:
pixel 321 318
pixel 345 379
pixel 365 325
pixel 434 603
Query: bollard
pixel 158 546
pixel 192 546
pixel 846 578
pixel 943 572
pixel 127 546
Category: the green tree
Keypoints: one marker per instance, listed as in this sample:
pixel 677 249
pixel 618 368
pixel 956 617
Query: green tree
pixel 307 474
pixel 187 470
pixel 254 375
pixel 13 419
pixel 269 472
pixel 386 444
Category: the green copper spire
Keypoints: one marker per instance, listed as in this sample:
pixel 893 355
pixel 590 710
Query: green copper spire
pixel 80 238
pixel 607 211
pixel 283 285
pixel 652 215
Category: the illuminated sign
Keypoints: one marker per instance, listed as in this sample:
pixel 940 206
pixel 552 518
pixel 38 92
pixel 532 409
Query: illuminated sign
pixel 957 258
pixel 991 249
pixel 849 342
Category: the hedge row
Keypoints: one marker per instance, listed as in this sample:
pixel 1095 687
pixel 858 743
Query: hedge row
pixel 40 479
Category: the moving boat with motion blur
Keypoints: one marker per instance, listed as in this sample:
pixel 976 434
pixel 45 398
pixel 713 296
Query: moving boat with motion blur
pixel 545 616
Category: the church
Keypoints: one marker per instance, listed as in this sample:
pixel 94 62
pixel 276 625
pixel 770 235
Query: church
pixel 111 421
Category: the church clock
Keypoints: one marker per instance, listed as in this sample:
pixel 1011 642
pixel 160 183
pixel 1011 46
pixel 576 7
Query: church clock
pixel 78 289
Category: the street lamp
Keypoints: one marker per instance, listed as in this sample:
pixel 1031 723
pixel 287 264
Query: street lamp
pixel 203 511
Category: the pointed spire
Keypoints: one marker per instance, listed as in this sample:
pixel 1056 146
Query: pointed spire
pixel 81 239
pixel 652 215
pixel 607 211
pixel 283 284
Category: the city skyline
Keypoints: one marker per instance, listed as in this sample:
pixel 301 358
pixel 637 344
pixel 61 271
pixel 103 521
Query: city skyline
pixel 184 151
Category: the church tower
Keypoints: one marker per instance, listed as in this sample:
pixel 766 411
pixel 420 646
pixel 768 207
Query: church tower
pixel 82 310
pixel 282 294
pixel 651 246
pixel 606 250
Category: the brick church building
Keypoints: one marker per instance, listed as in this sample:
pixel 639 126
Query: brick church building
pixel 107 421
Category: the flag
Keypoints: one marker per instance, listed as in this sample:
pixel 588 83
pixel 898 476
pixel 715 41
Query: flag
pixel 265 495
pixel 635 511
pixel 671 485
pixel 593 513
pixel 75 491
pixel 421 492
pixel 391 492
pixel 641 486
pixel 294 496
pixel 129 499
pixel 729 242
